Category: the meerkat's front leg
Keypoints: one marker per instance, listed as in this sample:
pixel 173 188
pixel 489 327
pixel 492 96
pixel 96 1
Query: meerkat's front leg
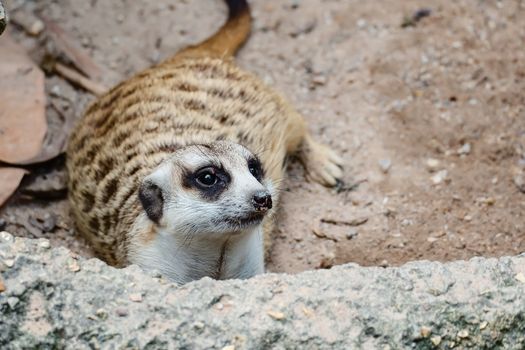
pixel 322 164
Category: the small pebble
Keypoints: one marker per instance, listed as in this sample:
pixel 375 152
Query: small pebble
pixel 121 312
pixel 483 325
pixel 520 277
pixel 319 80
pixel 439 177
pixel 198 325
pixel 425 331
pixel 519 181
pixel 74 266
pixel 45 244
pixel 384 263
pixel 229 347
pixel 432 239
pixel 486 200
pixel 9 262
pixel 6 236
pixel 406 222
pixel 50 222
pixel 276 315
pixel 136 297
pixel 36 28
pixel 385 165
pixel 436 340
pixel 101 313
pixel 467 218
pixel 463 334
pixel 432 164
pixel 464 150
pixel 12 302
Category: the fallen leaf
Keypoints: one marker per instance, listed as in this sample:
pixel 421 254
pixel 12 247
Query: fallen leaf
pixel 23 122
pixel 54 143
pixel 9 180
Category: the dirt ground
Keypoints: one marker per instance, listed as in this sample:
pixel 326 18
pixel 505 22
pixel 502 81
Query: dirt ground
pixel 429 116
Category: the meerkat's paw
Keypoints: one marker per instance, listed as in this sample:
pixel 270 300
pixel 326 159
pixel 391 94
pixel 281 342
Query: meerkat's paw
pixel 322 164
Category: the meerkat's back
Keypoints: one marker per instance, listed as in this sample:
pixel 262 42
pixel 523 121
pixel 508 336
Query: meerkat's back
pixel 195 98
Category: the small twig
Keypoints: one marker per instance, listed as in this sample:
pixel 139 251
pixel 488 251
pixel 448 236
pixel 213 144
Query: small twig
pixel 352 222
pixel 318 231
pixel 68 46
pixel 342 187
pixel 80 80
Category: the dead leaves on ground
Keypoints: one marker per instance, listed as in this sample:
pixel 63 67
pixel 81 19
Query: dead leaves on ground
pixel 23 104
pixel 23 123
pixel 22 113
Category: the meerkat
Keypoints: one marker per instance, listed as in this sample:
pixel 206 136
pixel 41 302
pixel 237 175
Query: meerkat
pixel 179 168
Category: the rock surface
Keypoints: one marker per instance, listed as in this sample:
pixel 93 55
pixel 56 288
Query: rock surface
pixel 53 299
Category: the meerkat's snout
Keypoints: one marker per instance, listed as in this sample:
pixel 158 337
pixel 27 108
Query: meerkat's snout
pixel 262 201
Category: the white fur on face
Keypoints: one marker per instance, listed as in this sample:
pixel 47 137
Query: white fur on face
pixel 196 234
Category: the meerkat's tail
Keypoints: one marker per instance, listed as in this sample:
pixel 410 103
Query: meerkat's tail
pixel 229 38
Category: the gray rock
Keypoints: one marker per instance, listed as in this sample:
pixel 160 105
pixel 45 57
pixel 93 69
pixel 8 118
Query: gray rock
pixel 422 305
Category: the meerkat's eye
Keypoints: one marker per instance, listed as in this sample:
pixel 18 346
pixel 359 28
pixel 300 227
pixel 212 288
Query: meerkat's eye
pixel 255 168
pixel 206 177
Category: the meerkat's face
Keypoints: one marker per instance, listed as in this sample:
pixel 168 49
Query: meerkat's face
pixel 213 189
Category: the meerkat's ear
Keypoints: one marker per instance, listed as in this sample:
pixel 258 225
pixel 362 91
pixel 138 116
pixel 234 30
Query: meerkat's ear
pixel 152 200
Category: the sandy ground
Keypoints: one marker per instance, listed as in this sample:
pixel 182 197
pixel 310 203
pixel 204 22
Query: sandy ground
pixel 429 117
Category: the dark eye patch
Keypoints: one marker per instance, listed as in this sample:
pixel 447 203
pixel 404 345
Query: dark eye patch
pixel 255 168
pixel 210 181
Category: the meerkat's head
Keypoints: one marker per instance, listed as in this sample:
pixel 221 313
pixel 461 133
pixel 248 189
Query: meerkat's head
pixel 212 189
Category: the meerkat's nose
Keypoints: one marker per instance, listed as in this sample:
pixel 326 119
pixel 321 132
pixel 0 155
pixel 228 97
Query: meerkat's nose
pixel 262 201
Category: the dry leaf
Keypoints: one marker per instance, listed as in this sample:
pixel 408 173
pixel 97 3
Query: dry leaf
pixel 9 180
pixel 23 122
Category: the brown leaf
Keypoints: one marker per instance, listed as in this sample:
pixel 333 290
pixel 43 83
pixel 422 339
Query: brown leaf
pixel 9 180
pixel 68 47
pixel 23 122
pixel 54 143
